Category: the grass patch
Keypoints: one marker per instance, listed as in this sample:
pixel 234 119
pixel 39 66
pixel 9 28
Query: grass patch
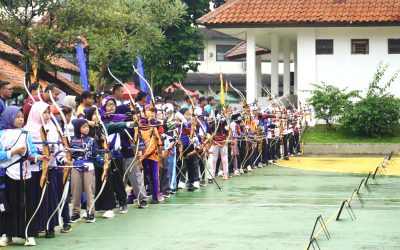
pixel 319 134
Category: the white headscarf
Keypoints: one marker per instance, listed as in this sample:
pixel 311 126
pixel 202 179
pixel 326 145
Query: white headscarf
pixel 35 122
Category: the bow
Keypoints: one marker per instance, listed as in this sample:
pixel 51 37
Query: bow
pixel 65 139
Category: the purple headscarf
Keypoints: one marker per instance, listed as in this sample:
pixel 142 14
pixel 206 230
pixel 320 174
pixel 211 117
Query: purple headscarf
pixel 9 115
pixel 113 117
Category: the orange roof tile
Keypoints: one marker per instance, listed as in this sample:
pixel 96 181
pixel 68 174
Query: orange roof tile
pixel 303 11
pixel 10 72
pixel 239 51
pixel 56 61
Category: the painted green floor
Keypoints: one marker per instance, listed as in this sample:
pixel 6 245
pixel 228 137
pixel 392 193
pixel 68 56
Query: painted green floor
pixel 271 208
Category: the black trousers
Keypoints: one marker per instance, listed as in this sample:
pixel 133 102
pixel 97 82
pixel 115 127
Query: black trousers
pixel 117 175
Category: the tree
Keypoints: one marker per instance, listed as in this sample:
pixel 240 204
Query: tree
pixel 126 27
pixel 378 113
pixel 39 28
pixel 218 3
pixel 329 102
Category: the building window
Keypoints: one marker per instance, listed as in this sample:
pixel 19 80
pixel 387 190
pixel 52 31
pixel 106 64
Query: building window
pixel 221 50
pixel 200 56
pixel 394 46
pixel 359 46
pixel 324 46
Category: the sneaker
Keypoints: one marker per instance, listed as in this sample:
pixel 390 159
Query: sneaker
pixel 161 198
pixel 123 209
pixel 203 183
pixel 108 214
pixel 241 171
pixel 225 177
pixel 298 154
pixel 90 218
pixel 66 228
pixel 5 241
pixel 191 188
pixel 143 204
pixel 173 191
pixel 219 173
pixel 210 181
pixel 249 169
pixel 155 202
pixel 30 241
pixel 286 158
pixel 270 162
pixel 236 173
pixel 274 161
pixel 75 218
pixel 196 185
pixel 84 215
pixel 166 195
pixel 230 175
pixel 181 185
pixel 291 155
pixel 50 234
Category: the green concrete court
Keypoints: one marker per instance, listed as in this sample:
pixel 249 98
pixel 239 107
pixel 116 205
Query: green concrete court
pixel 271 208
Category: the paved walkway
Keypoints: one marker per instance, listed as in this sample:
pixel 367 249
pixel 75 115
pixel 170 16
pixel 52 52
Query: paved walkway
pixel 271 208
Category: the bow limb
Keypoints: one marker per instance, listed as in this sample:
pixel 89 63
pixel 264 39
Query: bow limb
pixel 107 159
pixel 148 85
pixel 123 85
pixel 65 139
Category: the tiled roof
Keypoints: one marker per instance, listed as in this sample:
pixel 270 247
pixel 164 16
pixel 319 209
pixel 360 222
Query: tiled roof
pixel 236 12
pixel 7 49
pixel 10 72
pixel 63 64
pixel 239 51
pixel 58 62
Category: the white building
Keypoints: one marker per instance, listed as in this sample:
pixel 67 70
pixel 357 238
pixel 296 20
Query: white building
pixel 227 55
pixel 339 42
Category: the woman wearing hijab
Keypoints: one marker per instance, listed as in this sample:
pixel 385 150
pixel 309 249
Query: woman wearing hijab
pixel 40 117
pixel 15 147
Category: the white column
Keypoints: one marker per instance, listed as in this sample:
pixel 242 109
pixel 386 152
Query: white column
pixel 295 89
pixel 258 76
pixel 274 64
pixel 251 90
pixel 286 67
pixel 306 62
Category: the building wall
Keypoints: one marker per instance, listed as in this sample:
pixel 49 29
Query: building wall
pixel 210 65
pixel 344 69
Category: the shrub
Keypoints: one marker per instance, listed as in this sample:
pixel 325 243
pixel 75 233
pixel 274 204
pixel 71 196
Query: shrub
pixel 329 102
pixel 376 114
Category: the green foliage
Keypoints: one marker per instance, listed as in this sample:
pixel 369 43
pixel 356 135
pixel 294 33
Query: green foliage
pixel 378 113
pixel 329 101
pixel 218 3
pixel 319 134
pixel 174 57
pixel 40 26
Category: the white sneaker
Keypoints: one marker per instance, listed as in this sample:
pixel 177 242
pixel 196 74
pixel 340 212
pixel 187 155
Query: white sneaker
pixel 181 185
pixel 196 185
pixel 236 173
pixel 30 242
pixel 84 215
pixel 5 241
pixel 270 162
pixel 249 169
pixel 220 173
pixel 241 171
pixel 108 214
